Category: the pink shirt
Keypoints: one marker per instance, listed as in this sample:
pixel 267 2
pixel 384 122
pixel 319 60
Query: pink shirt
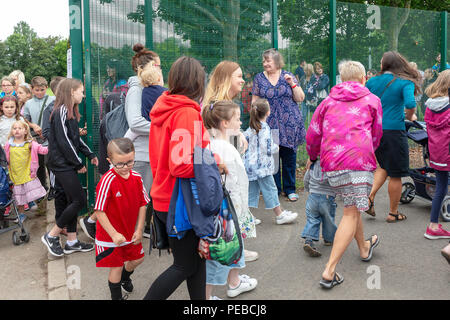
pixel 346 129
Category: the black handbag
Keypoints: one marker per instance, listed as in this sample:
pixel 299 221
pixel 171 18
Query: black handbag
pixel 158 234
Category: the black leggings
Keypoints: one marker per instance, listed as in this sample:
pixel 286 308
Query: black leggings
pixel 187 265
pixel 69 203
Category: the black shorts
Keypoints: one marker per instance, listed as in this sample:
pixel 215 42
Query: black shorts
pixel 393 153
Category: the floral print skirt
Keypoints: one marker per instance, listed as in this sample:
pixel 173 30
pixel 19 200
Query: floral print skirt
pixel 353 186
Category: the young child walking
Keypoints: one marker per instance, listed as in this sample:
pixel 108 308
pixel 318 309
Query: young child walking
pixel 222 119
pixel 120 209
pixel 10 113
pixel 320 209
pixel 22 156
pixel 437 118
pixel 260 164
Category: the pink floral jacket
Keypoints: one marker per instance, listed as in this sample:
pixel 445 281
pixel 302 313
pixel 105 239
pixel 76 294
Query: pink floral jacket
pixel 346 129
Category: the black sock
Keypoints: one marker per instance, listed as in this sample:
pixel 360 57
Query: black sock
pixel 116 290
pixel 126 274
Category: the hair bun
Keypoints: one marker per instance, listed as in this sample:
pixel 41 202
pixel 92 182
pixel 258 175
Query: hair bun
pixel 138 47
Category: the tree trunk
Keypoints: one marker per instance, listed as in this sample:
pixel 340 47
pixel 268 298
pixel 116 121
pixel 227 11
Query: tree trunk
pixel 230 29
pixel 397 22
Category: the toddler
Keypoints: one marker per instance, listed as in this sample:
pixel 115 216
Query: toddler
pixel 22 156
pixel 260 164
pixel 320 209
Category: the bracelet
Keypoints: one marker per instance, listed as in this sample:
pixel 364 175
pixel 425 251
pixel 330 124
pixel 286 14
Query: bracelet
pixel 293 86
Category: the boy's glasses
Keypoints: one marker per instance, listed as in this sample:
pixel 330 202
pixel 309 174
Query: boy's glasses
pixel 121 165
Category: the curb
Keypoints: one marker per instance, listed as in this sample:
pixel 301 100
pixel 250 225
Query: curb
pixel 56 268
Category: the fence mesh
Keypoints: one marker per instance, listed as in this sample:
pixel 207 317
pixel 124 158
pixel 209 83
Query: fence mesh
pixel 240 30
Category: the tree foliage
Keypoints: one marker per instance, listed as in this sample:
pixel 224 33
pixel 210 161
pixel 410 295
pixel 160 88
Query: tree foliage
pixel 34 56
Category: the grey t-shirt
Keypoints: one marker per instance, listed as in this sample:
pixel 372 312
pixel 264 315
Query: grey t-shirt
pixel 32 109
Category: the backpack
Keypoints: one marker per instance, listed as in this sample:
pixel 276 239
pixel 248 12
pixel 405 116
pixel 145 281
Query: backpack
pixel 115 121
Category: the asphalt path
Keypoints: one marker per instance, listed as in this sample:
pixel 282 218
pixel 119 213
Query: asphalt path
pixel 405 265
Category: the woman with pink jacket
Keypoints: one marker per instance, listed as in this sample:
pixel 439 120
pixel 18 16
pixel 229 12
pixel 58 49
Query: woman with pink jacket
pixel 345 131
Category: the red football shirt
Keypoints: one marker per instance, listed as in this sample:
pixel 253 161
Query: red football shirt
pixel 120 199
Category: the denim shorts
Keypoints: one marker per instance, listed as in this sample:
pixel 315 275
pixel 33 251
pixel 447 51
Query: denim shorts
pixel 217 274
pixel 320 209
pixel 268 188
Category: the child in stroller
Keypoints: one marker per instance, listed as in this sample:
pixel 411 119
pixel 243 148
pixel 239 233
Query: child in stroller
pixel 7 201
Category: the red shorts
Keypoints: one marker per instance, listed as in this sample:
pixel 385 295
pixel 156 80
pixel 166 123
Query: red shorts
pixel 115 257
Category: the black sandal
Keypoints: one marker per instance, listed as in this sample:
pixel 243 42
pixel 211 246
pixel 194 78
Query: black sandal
pixel 372 246
pixel 328 284
pixel 371 210
pixel 398 217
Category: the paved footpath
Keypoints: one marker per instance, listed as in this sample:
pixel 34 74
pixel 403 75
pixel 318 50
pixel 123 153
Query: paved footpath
pixel 405 264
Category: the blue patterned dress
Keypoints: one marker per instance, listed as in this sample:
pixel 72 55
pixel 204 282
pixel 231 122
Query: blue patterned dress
pixel 285 114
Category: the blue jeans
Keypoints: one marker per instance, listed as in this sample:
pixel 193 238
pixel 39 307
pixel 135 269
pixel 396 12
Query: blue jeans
pixel 269 192
pixel 320 208
pixel 288 159
pixel 439 195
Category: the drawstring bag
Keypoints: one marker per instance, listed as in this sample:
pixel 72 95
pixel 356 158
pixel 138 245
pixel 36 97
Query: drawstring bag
pixel 225 245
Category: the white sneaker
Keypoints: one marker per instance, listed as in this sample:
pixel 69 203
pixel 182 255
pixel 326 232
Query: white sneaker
pixel 246 284
pixel 250 255
pixel 286 217
pixel 257 221
pixel 214 298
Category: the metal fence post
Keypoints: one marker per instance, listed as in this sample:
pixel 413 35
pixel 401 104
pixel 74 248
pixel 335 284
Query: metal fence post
pixel 274 23
pixel 444 35
pixel 76 38
pixel 148 15
pixel 333 61
pixel 88 88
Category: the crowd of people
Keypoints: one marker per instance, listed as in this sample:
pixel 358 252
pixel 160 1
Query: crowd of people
pixel 356 141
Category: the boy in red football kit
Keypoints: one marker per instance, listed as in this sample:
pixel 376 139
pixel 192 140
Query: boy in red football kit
pixel 120 207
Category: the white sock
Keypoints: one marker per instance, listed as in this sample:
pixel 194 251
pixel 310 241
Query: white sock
pixel 91 221
pixel 71 242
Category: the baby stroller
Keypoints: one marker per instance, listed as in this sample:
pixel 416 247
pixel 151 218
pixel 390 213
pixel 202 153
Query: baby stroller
pixel 6 200
pixel 424 179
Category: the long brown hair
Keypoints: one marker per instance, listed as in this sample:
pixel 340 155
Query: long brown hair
pixel 214 113
pixel 187 78
pixel 64 98
pixel 394 62
pixel 258 111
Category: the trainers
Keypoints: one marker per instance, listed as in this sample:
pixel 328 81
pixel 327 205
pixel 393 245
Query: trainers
pixel 7 212
pixel 88 227
pixel 33 206
pixel 310 249
pixel 250 255
pixel 246 284
pixel 127 285
pixel 79 246
pixel 286 217
pixel 257 221
pixel 53 245
pixel 26 207
pixel 438 234
pixel 327 243
pixel 214 298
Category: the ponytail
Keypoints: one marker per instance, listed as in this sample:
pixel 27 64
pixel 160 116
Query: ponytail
pixel 258 111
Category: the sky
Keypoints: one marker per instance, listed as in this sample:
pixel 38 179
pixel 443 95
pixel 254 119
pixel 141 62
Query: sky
pixel 45 17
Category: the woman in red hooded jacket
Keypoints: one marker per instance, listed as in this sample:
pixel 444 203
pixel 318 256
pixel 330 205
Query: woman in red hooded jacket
pixel 437 117
pixel 176 127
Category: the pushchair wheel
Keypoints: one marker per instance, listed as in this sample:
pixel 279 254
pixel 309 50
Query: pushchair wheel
pixel 445 209
pixel 408 192
pixel 25 237
pixel 16 238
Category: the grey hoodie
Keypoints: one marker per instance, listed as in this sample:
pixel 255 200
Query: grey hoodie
pixel 316 181
pixel 137 123
pixel 437 104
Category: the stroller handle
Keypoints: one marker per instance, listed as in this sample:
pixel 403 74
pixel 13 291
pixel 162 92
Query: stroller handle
pixel 414 124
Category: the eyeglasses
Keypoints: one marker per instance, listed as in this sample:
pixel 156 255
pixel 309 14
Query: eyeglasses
pixel 120 165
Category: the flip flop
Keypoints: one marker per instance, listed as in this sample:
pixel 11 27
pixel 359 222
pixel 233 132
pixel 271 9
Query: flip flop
pixel 372 246
pixel 396 216
pixel 371 210
pixel 292 197
pixel 327 284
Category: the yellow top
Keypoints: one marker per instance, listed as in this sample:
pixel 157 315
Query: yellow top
pixel 20 164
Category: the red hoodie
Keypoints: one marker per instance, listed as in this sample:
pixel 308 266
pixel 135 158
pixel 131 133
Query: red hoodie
pixel 176 125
